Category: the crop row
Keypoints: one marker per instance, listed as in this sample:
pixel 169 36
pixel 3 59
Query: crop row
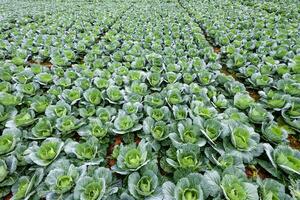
pixel 150 100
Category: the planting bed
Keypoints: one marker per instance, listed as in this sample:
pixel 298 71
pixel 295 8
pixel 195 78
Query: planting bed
pixel 150 99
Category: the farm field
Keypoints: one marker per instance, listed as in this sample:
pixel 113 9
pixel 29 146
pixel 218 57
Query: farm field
pixel 150 100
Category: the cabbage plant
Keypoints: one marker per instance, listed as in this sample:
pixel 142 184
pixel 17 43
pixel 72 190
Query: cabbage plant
pixel 269 188
pixel 42 129
pixel 189 134
pixel 291 113
pixel 284 157
pixel 235 186
pixel 186 158
pixel 273 132
pixel 126 123
pixel 243 100
pixel 144 184
pixel 95 185
pixel 159 130
pixel 132 157
pixel 186 188
pixel 243 142
pixel 95 128
pixel 45 153
pixel 62 179
pixel 25 187
pixel 9 139
pixel 86 151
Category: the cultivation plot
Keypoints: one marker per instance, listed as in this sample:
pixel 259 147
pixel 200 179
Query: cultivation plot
pixel 151 99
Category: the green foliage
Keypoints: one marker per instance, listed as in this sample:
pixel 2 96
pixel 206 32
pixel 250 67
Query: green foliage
pixel 149 99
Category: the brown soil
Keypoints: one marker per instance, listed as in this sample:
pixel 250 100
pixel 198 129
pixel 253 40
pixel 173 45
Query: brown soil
pixel 45 63
pixel 217 50
pixel 250 172
pixel 254 94
pixel 76 137
pixel 256 171
pixel 225 71
pixel 137 140
pixel 8 197
pixel 110 161
pixel 294 142
pixel 263 174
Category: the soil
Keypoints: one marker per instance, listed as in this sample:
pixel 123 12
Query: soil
pixel 110 161
pixel 217 50
pixel 137 140
pixel 8 197
pixel 254 94
pixel 225 71
pixel 45 63
pixel 76 137
pixel 256 171
pixel 294 142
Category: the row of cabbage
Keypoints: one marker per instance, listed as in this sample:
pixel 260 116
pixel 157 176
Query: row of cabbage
pixel 61 36
pixel 271 38
pixel 188 131
pixel 260 42
pixel 60 32
pixel 16 13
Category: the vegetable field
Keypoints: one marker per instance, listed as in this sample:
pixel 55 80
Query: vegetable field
pixel 150 100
